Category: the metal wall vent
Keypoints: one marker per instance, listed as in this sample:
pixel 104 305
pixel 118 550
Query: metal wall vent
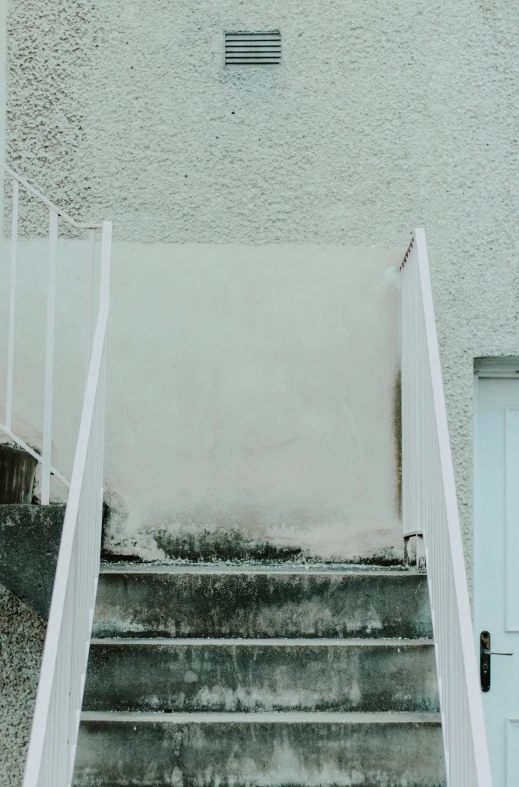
pixel 253 49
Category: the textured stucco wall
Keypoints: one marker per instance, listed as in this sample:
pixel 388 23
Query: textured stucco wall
pixel 383 116
pixel 21 641
pixel 48 50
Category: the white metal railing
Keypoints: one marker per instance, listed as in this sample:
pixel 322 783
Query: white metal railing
pixel 55 726
pixel 55 214
pixel 430 510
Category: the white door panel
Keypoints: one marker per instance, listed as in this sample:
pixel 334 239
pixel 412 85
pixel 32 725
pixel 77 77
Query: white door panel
pixel 496 570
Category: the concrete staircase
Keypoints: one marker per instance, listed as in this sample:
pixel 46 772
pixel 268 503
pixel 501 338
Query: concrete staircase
pixel 209 676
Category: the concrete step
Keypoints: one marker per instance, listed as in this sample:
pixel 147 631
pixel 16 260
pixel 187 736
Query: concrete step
pixel 267 750
pixel 258 602
pixel 261 675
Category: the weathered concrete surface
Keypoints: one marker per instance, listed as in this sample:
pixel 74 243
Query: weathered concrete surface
pixel 262 693
pixel 216 675
pixel 175 602
pixel 17 470
pixel 29 544
pixel 243 750
pixel 22 633
pixel 259 392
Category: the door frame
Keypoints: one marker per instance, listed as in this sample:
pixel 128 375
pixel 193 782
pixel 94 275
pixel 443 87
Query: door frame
pixel 505 367
pixel 485 368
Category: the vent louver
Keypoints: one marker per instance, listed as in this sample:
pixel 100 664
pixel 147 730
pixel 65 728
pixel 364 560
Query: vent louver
pixel 253 49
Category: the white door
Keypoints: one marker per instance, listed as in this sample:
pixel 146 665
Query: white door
pixel 496 569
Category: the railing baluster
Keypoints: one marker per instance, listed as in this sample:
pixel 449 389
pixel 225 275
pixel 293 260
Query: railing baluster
pixel 12 306
pixel 19 182
pixel 106 246
pixel 430 507
pixel 90 298
pixel 56 719
pixel 49 358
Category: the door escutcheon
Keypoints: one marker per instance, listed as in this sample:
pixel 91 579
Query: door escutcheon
pixel 484 659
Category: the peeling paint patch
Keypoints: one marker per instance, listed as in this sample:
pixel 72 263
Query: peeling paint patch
pixel 384 558
pixel 221 545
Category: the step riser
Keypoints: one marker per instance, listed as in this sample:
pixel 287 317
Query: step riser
pixel 203 677
pixel 254 755
pixel 262 605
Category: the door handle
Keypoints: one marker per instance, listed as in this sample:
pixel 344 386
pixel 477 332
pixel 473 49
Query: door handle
pixel 484 659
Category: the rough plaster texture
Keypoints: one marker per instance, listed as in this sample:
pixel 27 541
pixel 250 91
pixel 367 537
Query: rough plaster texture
pixel 50 59
pixel 21 641
pixel 382 116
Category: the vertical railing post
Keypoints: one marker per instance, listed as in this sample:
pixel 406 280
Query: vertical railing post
pixel 49 358
pixel 106 257
pixel 12 307
pixel 90 298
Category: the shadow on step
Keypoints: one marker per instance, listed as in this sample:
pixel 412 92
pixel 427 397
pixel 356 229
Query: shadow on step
pixel 29 544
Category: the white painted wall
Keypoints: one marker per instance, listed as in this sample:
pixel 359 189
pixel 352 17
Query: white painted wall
pixel 251 391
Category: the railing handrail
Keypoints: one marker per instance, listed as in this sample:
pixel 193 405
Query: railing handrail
pixel 454 546
pixel 55 215
pixel 55 725
pixel 58 211
pixel 449 485
pixel 48 667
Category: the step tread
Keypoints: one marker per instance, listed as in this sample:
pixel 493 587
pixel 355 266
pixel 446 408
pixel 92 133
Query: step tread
pixel 261 675
pixel 232 604
pixel 260 568
pixel 272 717
pixel 303 642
